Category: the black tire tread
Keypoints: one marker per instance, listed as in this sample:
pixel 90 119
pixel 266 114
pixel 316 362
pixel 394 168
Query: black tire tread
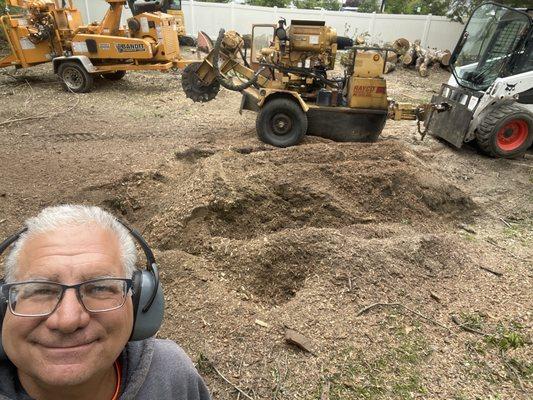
pixel 284 104
pixel 89 80
pixel 114 76
pixel 486 130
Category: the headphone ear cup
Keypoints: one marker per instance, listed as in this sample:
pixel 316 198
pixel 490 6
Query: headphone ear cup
pixel 146 323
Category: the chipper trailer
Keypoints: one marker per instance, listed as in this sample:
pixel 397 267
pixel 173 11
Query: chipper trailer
pixel 42 31
pixel 287 84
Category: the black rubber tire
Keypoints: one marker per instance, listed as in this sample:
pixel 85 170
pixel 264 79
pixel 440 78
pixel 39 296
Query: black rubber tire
pixel 194 88
pixel 114 76
pixel 281 111
pixel 343 42
pixel 187 41
pixel 74 77
pixel 494 120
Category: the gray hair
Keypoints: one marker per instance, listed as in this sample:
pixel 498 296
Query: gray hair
pixel 68 215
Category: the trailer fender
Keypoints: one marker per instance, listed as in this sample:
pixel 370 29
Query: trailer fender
pixel 83 60
pixel 268 94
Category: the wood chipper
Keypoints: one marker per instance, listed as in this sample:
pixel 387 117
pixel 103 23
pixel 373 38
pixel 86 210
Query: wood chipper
pixel 286 82
pixel 43 31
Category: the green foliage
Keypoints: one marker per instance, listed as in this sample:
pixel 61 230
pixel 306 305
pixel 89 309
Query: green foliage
pixel 2 10
pixel 332 5
pixel 269 3
pixel 313 4
pixel 502 341
pixel 457 10
pixel 357 375
pixel 369 6
pixel 507 338
pixel 352 3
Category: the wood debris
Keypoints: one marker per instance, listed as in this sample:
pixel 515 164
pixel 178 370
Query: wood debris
pixel 299 340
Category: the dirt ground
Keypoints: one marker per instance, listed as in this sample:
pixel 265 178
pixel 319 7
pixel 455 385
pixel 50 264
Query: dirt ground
pixel 253 240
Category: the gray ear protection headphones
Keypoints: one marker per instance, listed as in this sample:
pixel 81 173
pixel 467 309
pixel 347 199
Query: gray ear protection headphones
pixel 147 294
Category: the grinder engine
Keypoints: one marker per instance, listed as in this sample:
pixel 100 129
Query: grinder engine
pixel 305 44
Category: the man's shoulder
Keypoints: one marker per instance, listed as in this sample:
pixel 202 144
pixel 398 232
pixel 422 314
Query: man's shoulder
pixel 171 356
pixel 172 375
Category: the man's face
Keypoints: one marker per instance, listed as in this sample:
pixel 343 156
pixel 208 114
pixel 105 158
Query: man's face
pixel 71 345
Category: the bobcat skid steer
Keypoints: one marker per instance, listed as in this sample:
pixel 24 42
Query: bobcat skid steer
pixel 489 97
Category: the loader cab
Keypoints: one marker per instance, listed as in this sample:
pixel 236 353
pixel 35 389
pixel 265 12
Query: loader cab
pixel 496 42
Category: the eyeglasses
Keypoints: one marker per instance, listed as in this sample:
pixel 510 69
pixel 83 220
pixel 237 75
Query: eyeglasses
pixel 40 298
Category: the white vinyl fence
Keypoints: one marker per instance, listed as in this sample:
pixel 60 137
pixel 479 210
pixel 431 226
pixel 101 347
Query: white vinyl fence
pixel 433 31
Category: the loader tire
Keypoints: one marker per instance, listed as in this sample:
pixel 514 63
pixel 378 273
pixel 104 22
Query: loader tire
pixel 114 76
pixel 281 123
pixel 74 77
pixel 194 88
pixel 505 131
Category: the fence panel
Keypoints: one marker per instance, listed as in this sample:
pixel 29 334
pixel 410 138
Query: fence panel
pixel 433 31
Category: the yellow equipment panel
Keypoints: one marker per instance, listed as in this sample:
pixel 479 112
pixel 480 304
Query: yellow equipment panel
pixel 110 47
pixel 368 93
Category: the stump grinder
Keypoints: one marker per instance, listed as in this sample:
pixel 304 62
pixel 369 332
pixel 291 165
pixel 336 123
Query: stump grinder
pixel 488 98
pixel 286 82
pixel 41 31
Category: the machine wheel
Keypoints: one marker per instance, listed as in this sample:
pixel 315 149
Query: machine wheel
pixel 194 88
pixel 75 77
pixel 187 41
pixel 114 76
pixel 281 123
pixel 506 131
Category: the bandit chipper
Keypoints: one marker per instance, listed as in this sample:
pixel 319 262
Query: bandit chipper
pixel 286 82
pixel 41 31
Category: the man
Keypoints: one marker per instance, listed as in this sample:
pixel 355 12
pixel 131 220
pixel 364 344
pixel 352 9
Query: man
pixel 69 317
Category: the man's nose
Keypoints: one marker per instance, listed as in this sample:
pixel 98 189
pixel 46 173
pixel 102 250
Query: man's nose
pixel 69 315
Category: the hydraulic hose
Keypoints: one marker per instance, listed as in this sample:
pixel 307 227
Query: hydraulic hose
pixel 306 72
pixel 220 78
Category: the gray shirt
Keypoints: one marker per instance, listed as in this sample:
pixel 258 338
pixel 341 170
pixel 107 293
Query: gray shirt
pixel 151 369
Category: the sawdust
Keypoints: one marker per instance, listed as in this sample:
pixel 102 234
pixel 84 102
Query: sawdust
pixel 302 238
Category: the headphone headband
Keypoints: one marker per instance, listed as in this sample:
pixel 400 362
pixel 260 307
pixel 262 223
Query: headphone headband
pixel 11 239
pixel 151 265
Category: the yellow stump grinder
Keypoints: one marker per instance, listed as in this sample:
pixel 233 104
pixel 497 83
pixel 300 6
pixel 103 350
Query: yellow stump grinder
pixel 287 83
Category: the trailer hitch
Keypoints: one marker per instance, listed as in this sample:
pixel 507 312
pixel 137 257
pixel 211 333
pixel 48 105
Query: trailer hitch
pixel 420 113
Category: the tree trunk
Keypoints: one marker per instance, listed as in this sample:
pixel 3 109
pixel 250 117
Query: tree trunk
pixel 401 45
pixel 443 56
pixel 409 57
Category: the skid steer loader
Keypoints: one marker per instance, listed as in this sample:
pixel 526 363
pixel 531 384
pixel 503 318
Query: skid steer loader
pixel 286 82
pixel 489 97
pixel 41 31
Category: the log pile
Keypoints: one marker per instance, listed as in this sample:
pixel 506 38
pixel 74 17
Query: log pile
pixel 423 58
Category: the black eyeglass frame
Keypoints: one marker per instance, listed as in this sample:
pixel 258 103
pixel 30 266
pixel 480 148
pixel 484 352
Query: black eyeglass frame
pixel 5 289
